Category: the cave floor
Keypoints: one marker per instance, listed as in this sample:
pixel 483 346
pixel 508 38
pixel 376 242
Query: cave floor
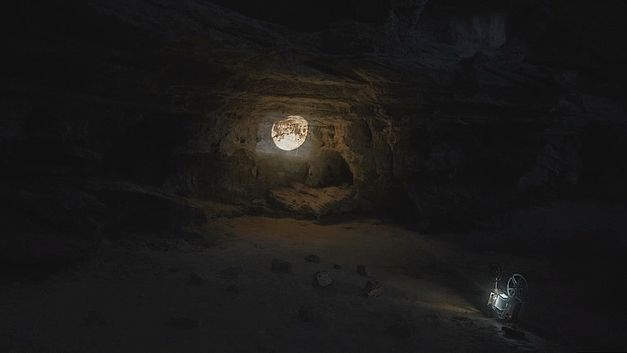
pixel 220 294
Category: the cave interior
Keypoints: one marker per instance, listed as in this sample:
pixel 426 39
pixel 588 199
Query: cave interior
pixel 312 176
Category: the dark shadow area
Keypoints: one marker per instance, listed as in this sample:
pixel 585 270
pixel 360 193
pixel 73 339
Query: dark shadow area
pixel 329 169
pixel 310 15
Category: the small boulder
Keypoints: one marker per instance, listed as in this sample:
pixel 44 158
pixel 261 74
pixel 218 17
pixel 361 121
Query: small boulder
pixel 373 289
pixel 322 279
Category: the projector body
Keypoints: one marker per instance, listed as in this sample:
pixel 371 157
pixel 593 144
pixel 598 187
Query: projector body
pixel 507 303
pixel 504 306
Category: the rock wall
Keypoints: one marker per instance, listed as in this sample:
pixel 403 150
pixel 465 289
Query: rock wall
pixel 444 113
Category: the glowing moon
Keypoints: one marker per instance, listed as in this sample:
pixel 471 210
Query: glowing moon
pixel 290 133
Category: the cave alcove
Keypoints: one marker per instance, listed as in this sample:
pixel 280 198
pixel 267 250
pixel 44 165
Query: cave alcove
pixel 329 168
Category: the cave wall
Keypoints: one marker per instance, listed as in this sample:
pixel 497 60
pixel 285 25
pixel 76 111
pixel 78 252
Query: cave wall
pixel 444 113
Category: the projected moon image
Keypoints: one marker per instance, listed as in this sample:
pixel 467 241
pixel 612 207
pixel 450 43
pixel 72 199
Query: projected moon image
pixel 290 133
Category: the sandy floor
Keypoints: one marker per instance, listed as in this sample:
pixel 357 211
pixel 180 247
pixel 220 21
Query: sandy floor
pixel 177 296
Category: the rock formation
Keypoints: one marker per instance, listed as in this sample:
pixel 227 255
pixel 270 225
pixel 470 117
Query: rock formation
pixel 141 116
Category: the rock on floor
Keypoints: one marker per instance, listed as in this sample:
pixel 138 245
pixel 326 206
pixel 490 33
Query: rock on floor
pixel 373 289
pixel 322 279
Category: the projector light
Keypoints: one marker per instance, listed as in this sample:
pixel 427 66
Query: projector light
pixel 290 133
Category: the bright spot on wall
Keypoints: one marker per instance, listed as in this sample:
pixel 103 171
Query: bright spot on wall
pixel 290 133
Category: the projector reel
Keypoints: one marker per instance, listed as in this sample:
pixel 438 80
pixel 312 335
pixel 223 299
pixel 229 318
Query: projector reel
pixel 517 287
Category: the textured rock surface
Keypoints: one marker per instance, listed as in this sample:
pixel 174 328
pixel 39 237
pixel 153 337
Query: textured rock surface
pixel 444 113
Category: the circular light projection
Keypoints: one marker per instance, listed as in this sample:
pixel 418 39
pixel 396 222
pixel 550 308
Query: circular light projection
pixel 290 133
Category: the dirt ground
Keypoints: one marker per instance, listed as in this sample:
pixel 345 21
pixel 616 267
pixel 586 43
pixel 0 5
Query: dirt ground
pixel 220 293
